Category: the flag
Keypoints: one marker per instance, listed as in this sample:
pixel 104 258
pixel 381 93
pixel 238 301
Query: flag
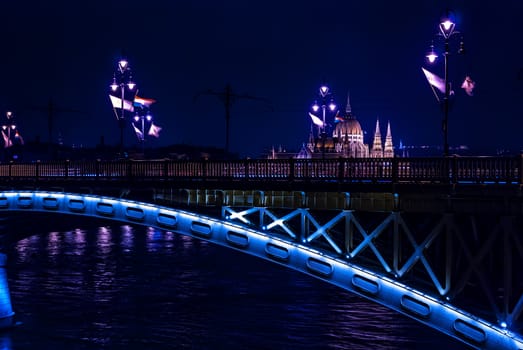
pixel 7 141
pixel 434 80
pixel 19 137
pixel 316 120
pixel 468 85
pixel 117 103
pixel 338 117
pixel 139 134
pixel 143 102
pixel 154 130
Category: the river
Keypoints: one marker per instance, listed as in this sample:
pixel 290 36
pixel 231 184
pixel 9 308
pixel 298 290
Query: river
pixel 125 287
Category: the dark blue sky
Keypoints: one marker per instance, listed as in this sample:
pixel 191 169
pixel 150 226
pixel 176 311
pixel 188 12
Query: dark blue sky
pixel 277 50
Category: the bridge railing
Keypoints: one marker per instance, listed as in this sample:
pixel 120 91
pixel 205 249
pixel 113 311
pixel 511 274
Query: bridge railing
pixel 391 170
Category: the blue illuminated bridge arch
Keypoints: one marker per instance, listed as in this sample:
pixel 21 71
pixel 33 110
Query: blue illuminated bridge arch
pixel 331 268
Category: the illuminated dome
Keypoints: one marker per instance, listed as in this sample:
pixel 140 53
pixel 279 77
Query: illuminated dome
pixel 348 130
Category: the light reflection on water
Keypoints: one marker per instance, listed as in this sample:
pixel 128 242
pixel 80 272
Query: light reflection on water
pixel 127 238
pixel 127 287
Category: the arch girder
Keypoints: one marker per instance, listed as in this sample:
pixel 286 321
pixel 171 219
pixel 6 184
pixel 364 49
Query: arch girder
pixel 330 268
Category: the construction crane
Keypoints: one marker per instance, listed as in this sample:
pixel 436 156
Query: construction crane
pixel 228 97
pixel 51 110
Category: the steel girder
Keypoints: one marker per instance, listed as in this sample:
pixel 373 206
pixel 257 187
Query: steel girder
pixel 469 261
pixel 314 250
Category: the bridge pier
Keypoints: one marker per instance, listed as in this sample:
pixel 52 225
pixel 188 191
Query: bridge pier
pixel 6 309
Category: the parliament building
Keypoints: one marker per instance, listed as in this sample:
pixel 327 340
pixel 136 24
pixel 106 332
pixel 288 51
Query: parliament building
pixel 345 140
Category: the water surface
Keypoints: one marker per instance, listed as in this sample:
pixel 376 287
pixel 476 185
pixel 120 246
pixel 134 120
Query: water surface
pixel 123 287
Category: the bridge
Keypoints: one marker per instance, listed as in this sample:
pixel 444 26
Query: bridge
pixel 436 239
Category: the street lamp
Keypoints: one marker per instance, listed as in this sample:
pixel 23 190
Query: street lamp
pixel 140 132
pixel 7 128
pixel 447 29
pixel 325 103
pixel 324 92
pixel 122 83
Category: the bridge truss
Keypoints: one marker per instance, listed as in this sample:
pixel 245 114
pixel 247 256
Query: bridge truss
pixel 389 261
pixel 451 260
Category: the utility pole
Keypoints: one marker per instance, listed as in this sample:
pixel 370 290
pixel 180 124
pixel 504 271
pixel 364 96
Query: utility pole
pixel 228 97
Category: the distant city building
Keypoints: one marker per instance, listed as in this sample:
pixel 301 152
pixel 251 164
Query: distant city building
pixel 346 140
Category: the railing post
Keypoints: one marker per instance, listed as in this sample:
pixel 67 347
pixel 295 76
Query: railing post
pixel 341 166
pixel 520 170
pixel 129 169
pixel 454 169
pixel 166 169
pixel 37 169
pixel 66 168
pixel 246 170
pixel 508 176
pixel 97 168
pixel 205 171
pixel 10 164
pixel 291 169
pixel 395 169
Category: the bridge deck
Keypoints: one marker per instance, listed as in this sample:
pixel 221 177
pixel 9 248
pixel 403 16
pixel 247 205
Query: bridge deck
pixel 472 184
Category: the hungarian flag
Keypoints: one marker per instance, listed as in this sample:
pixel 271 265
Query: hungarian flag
pixel 143 102
pixel 154 130
pixel 434 80
pixel 316 120
pixel 139 134
pixel 117 103
pixel 338 118
pixel 19 137
pixel 7 142
pixel 468 85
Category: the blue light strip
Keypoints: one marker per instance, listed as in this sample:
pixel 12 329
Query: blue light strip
pixel 378 288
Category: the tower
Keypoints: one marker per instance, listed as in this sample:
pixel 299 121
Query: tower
pixel 311 143
pixel 377 148
pixel 388 151
pixel 348 109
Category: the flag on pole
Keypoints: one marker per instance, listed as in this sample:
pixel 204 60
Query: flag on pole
pixel 117 103
pixel 138 132
pixel 338 117
pixel 434 80
pixel 316 120
pixel 7 141
pixel 154 130
pixel 468 85
pixel 19 137
pixel 143 102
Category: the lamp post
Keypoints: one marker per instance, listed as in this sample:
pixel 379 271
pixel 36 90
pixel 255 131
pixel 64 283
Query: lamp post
pixel 122 82
pixel 6 128
pixel 143 116
pixel 447 29
pixel 324 93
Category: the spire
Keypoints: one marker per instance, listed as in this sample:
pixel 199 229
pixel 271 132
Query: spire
pixel 388 152
pixel 348 109
pixel 311 143
pixel 377 149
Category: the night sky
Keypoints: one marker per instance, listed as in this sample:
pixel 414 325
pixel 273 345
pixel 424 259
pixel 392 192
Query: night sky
pixel 280 51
